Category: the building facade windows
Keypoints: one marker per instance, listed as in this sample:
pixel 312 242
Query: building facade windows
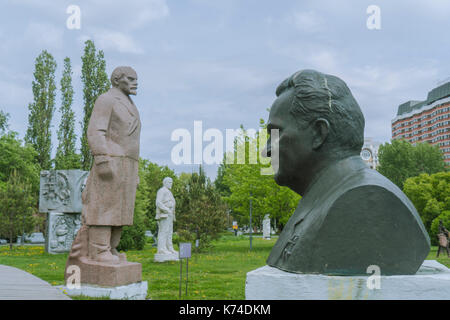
pixel 423 121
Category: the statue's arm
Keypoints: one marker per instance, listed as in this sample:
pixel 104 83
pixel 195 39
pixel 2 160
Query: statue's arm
pixel 174 218
pixel 159 202
pixel 96 135
pixel 98 125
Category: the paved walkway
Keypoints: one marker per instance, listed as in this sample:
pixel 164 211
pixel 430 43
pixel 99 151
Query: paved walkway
pixel 16 284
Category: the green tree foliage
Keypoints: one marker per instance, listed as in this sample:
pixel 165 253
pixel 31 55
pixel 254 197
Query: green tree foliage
pixel 200 212
pixel 66 156
pixel 150 176
pixel 400 160
pixel 42 108
pixel 430 194
pixel 20 158
pixel 238 181
pixel 17 205
pixel 133 237
pixel 3 122
pixel 95 82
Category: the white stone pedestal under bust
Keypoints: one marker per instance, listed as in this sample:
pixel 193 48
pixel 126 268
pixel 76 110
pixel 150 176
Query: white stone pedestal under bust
pixel 432 281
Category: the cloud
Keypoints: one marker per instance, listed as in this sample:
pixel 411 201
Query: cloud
pixel 306 21
pixel 324 60
pixel 153 10
pixel 44 35
pixel 222 75
pixel 114 41
pixel 124 15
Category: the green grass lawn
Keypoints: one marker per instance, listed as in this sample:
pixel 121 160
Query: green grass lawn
pixel 442 256
pixel 216 273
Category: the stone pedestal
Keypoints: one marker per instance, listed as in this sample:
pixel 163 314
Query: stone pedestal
pixel 166 257
pixel 134 291
pixel 432 281
pixel 105 274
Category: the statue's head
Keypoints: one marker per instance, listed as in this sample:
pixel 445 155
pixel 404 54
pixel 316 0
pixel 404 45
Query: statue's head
pixel 125 79
pixel 318 120
pixel 167 182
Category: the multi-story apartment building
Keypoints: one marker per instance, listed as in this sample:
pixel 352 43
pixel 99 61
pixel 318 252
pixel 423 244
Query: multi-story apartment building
pixel 426 121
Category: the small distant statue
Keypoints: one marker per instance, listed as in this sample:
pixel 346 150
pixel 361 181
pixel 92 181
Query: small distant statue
pixel 165 215
pixel 443 236
pixel 266 227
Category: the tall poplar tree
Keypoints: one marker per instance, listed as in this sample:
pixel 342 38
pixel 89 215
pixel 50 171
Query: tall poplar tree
pixel 66 156
pixel 42 108
pixel 95 82
pixel 17 206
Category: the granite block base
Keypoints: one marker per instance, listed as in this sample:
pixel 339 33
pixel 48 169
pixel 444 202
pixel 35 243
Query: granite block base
pixel 133 291
pixel 432 281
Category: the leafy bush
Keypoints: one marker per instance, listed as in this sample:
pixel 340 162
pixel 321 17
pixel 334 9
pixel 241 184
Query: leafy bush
pixel 430 196
pixel 133 237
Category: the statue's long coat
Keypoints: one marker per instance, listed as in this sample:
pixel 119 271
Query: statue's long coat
pixel 165 203
pixel 114 131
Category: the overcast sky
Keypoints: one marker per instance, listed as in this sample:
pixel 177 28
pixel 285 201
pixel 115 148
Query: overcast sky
pixel 220 61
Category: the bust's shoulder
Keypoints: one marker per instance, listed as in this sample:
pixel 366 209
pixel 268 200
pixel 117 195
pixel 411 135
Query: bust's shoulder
pixel 369 180
pixel 106 98
pixel 368 194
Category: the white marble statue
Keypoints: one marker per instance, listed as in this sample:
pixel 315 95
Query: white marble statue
pixel 165 215
pixel 266 227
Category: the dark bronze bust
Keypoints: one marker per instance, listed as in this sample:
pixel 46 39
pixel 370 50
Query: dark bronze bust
pixel 350 216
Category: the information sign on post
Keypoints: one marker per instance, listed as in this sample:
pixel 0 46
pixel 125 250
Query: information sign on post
pixel 185 250
pixel 184 253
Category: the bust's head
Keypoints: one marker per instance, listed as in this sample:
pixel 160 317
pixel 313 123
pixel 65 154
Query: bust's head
pixel 167 182
pixel 125 79
pixel 319 122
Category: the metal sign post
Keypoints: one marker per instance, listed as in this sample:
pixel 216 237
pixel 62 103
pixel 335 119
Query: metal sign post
pixel 184 253
pixel 251 229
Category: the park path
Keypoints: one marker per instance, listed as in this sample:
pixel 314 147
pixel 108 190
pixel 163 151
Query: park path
pixel 16 284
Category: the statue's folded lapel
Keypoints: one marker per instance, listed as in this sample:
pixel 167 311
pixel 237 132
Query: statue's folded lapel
pixel 128 105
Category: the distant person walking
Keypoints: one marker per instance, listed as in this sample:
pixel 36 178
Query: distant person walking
pixel 443 237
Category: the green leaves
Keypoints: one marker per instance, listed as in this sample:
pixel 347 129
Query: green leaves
pixel 3 121
pixel 430 194
pixel 200 212
pixel 16 157
pixel 401 160
pixel 66 156
pixel 95 82
pixel 42 108
pixel 16 206
pixel 237 181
